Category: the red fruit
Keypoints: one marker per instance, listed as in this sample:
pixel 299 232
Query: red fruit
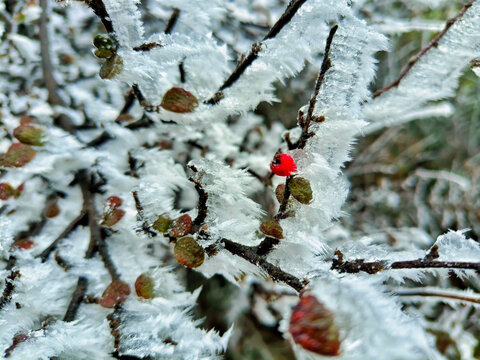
pixel 283 165
pixel 312 327
pixel 115 293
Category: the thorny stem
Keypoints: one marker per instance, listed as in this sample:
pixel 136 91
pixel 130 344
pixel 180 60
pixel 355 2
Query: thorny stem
pixel 432 44
pixel 286 17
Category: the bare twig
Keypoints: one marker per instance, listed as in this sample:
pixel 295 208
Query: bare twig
pixel 141 216
pixel 9 287
pixel 76 300
pixel 326 64
pixel 202 202
pixel 286 196
pixel 98 8
pixel 277 274
pixel 374 267
pixel 172 21
pixel 432 44
pixel 438 293
pixel 286 17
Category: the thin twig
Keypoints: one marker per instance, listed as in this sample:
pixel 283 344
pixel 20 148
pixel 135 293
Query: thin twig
pixel 172 21
pixel 286 17
pixel 76 300
pixel 373 267
pixel 9 287
pixel 432 44
pixel 277 274
pixel 141 216
pixel 98 8
pixel 326 64
pixel 286 196
pixel 202 203
pixel 429 293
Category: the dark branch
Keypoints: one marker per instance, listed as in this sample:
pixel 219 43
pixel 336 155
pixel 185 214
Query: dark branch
pixel 326 64
pixel 277 274
pixel 286 196
pixel 202 203
pixel 373 267
pixel 172 21
pixel 141 216
pixel 9 287
pixel 77 298
pixel 99 9
pixel 289 13
pixel 434 43
pixel 427 293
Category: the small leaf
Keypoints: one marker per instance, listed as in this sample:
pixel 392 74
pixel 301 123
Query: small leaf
pixel 272 228
pixel 115 293
pixel 162 224
pixel 182 226
pixel 112 67
pixel 52 210
pixel 103 53
pixel 179 100
pixel 301 190
pixel 6 191
pixel 279 191
pixel 312 326
pixel 29 135
pixel 144 286
pixel 24 244
pixel 112 217
pixel 18 155
pixel 188 252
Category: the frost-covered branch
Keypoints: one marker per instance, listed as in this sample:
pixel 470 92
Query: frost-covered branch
pixel 434 43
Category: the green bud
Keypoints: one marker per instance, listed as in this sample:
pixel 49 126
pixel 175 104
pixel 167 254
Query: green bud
pixel 162 224
pixel 29 135
pixel 103 42
pixel 188 252
pixel 103 53
pixel 301 190
pixel 272 228
pixel 113 66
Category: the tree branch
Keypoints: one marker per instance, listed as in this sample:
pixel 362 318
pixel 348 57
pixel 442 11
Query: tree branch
pixel 172 21
pixel 277 274
pixel 434 43
pixel 425 292
pixel 373 267
pixel 286 17
pixel 76 300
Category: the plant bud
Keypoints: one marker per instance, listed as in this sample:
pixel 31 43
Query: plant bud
pixel 6 191
pixel 29 135
pixel 272 228
pixel 112 67
pixel 301 190
pixel 23 244
pixel 103 42
pixel 188 252
pixel 115 293
pixel 179 100
pixel 182 226
pixel 162 224
pixel 312 327
pixel 18 155
pixel 52 210
pixel 144 286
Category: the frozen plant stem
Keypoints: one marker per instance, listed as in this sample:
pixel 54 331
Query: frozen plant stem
pixel 434 43
pixel 286 17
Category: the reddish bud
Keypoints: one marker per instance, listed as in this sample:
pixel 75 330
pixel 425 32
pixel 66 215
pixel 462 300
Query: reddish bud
pixel 144 286
pixel 18 155
pixel 179 100
pixel 24 244
pixel 113 202
pixel 6 191
pixel 272 228
pixel 115 293
pixel 312 327
pixel 188 252
pixel 52 210
pixel 17 339
pixel 182 226
pixel 283 165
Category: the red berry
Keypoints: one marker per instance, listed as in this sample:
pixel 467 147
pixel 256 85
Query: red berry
pixel 283 165
pixel 312 326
